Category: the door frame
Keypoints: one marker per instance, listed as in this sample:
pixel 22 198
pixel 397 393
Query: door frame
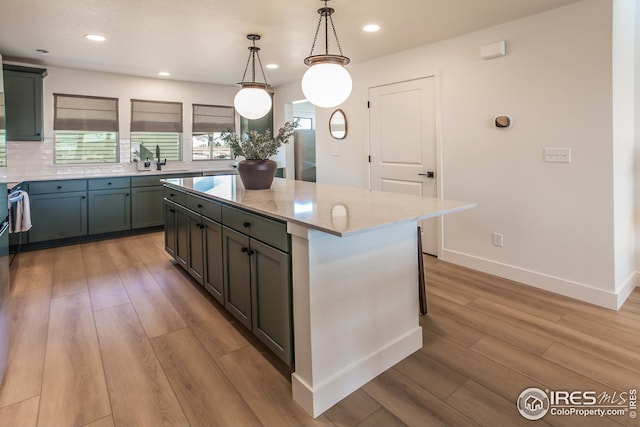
pixel 402 77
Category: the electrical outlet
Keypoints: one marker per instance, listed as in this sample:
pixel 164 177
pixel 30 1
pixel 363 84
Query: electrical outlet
pixel 498 239
pixel 557 155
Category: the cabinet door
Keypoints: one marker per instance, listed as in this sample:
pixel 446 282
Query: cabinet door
pixel 213 259
pixel 271 298
pixel 109 210
pixel 58 216
pixel 23 98
pixel 237 275
pixel 146 207
pixel 195 257
pixel 182 236
pixel 170 228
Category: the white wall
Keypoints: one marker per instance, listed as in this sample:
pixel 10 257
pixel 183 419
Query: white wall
pixel 32 158
pixel 556 83
pixel 623 83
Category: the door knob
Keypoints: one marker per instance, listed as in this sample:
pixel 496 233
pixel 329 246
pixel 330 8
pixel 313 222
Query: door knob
pixel 429 174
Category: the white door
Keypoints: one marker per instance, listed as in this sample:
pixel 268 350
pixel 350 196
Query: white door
pixel 402 122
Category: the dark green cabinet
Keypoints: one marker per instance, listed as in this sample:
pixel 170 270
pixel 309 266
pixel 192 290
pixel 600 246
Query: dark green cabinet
pixel 23 101
pixel 195 258
pixel 271 298
pixel 176 232
pixel 109 210
pixel 237 275
pixel 146 207
pixel 58 216
pixel 170 228
pixel 257 290
pixel 213 278
pixel 242 258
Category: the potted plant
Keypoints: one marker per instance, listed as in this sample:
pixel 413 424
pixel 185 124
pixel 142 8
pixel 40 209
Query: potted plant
pixel 257 170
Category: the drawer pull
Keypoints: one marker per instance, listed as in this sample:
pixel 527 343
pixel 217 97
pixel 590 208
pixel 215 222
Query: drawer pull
pixel 108 183
pixel 59 187
pixel 247 224
pixel 200 206
pixel 172 194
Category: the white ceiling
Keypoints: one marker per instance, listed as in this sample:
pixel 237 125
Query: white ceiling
pixel 205 40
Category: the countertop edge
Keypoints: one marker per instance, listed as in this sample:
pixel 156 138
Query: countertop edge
pixel 314 226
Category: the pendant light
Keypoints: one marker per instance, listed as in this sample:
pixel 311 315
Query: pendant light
pixel 253 101
pixel 326 83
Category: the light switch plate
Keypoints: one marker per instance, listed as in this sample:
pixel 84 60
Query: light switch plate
pixel 557 155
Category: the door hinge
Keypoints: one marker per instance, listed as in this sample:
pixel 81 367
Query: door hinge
pixel 368 104
pixel 369 159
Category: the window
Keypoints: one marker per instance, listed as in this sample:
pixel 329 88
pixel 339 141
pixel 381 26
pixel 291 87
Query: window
pixel 304 122
pixel 209 122
pixel 85 129
pixel 156 126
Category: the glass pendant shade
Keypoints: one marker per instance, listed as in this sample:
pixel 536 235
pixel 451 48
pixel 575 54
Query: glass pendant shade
pixel 326 85
pixel 252 102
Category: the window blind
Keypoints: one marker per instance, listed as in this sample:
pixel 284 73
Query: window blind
pixel 156 116
pixel 213 118
pixel 85 113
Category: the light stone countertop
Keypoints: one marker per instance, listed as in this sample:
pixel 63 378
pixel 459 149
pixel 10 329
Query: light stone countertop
pixel 13 180
pixel 341 211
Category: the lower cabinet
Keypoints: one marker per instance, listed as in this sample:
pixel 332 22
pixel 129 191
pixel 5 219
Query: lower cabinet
pixel 250 277
pixel 58 216
pixel 109 210
pixel 258 290
pixel 176 232
pixel 146 206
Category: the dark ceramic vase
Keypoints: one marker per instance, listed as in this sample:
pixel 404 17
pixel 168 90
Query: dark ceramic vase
pixel 257 174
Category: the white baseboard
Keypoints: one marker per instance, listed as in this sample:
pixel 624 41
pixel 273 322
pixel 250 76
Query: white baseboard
pixel 579 291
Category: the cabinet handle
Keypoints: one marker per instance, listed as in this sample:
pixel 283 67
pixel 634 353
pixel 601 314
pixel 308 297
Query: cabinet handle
pixel 172 210
pixel 198 225
pixel 202 226
pixel 83 197
pixel 244 250
pixel 247 224
pixel 172 195
pixel 200 206
pixel 59 187
pixel 127 194
pixel 108 183
pixel 251 252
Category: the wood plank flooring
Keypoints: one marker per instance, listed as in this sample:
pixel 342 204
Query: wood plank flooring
pixel 114 334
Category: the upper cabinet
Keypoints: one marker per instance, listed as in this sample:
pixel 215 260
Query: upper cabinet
pixel 23 102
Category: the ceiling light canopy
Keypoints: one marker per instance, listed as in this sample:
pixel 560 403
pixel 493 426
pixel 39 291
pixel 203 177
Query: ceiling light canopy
pixel 326 83
pixel 253 101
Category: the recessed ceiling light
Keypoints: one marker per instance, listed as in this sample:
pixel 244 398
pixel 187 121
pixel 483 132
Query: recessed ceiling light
pixel 371 28
pixel 95 37
pixel 272 66
pixel 42 51
pixel 164 73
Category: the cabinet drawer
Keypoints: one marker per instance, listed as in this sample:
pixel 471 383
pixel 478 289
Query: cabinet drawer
pixel 175 196
pixel 205 207
pixel 261 228
pixel 62 186
pixel 108 183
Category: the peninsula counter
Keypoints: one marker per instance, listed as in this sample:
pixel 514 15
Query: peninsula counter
pixel 354 276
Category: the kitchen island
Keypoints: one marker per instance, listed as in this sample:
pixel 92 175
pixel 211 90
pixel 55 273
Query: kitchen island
pixel 354 270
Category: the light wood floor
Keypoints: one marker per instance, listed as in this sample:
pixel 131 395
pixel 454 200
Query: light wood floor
pixel 113 333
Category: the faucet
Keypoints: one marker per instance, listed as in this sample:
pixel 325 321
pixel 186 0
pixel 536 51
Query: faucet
pixel 159 164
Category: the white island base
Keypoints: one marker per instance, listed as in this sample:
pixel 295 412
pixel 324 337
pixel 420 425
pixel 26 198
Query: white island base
pixel 355 309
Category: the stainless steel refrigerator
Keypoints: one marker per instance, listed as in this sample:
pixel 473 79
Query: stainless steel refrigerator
pixel 5 316
pixel 305 154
